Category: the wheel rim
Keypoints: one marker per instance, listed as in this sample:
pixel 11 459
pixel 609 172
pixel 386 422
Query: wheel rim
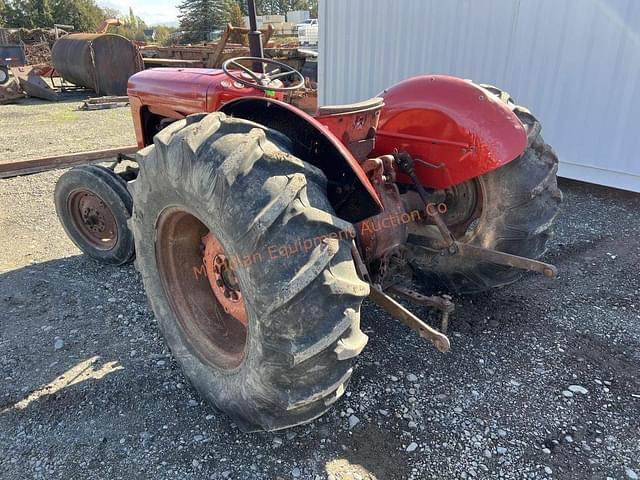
pixel 203 291
pixel 93 219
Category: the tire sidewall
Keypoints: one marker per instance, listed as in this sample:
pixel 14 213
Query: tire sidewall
pixel 241 182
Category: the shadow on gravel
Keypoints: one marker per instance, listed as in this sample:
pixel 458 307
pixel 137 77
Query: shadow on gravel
pixel 90 369
pixel 81 356
pixel 48 316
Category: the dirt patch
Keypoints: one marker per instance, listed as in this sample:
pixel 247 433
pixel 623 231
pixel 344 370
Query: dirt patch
pixel 35 128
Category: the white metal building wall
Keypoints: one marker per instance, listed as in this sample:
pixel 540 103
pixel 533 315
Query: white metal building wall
pixel 574 63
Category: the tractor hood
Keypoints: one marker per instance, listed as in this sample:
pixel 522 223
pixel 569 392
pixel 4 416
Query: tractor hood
pixel 184 89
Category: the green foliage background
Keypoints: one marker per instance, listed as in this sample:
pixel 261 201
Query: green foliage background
pixel 198 18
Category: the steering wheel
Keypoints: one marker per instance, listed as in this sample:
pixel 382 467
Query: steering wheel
pixel 261 81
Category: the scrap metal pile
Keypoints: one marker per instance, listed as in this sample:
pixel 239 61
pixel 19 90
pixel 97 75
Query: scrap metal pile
pixel 103 62
pixel 37 53
pixel 33 36
pixel 25 57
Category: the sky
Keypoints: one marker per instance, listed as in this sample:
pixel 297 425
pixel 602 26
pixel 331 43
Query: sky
pixel 153 12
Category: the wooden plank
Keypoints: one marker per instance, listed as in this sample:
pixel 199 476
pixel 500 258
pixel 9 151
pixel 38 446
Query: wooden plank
pixel 217 53
pixel 170 61
pixel 37 165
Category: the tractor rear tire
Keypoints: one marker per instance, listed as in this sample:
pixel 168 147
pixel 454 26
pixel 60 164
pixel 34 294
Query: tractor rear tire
pixel 238 181
pixel 520 202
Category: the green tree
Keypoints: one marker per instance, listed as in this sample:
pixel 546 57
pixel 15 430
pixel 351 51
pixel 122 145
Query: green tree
pixel 285 6
pixel 132 27
pixel 27 13
pixel 111 13
pixel 163 34
pixel 84 15
pixel 133 23
pixel 200 17
pixel 313 8
pixel 42 14
pixel 16 14
pixel 281 7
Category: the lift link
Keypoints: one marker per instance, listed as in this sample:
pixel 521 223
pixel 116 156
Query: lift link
pixel 507 259
pixel 453 247
pixel 377 296
pixel 439 340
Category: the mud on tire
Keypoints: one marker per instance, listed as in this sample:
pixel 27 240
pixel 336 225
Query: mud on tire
pixel 239 179
pixel 520 203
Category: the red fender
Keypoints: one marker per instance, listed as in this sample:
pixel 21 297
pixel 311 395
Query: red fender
pixel 459 128
pixel 315 143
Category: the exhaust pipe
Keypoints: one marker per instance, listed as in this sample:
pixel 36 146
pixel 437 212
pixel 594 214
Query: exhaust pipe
pixel 255 37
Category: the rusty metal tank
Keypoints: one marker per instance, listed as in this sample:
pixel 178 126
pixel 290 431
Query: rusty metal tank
pixel 100 61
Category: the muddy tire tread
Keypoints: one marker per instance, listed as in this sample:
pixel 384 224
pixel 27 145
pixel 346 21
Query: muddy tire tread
pixel 244 179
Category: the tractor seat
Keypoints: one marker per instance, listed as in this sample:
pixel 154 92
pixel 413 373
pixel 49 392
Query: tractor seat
pixel 371 104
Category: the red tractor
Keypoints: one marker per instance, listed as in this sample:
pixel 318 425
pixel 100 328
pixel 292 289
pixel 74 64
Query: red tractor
pixel 259 229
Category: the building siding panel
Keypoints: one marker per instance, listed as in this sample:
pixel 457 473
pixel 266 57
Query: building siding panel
pixel 575 63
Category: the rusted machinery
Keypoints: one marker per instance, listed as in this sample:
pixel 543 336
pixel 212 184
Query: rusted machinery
pixel 208 55
pixel 102 62
pixel 10 56
pixel 10 90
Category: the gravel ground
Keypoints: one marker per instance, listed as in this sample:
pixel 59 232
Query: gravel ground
pixel 32 128
pixel 542 380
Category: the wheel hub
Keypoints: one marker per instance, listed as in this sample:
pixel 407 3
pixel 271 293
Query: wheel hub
pixel 94 219
pixel 222 278
pixel 464 206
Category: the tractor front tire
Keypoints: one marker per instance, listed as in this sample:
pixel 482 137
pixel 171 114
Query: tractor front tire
pixel 287 358
pixel 94 206
pixel 519 203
